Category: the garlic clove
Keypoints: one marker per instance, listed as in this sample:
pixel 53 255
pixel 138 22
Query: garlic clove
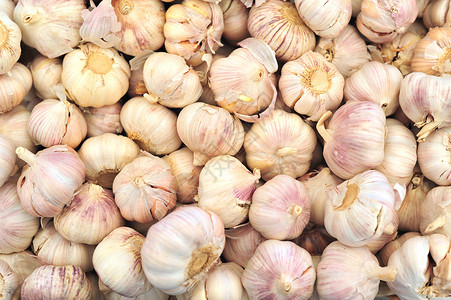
pixel 436 13
pixel 105 119
pixel 7 159
pixel 435 211
pixel 9 279
pixel 14 85
pixel 10 37
pixel 235 16
pixel 46 75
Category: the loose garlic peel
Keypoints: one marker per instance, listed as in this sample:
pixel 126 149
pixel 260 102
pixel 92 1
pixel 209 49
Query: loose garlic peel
pixel 435 212
pixel 14 85
pixel 10 37
pixel 9 281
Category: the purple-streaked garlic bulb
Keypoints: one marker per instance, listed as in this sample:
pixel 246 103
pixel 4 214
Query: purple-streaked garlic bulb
pixel 244 82
pixel 311 85
pixel 145 189
pixel 384 254
pixel 195 243
pixel 350 273
pixel 279 270
pixel 235 16
pixel 105 119
pixel 437 13
pixel 49 180
pixel 354 138
pixel 436 212
pixel 14 85
pixel 7 159
pixel 382 20
pixel 10 281
pixel 282 200
pixel 46 73
pixel 226 187
pixel 282 143
pixel 314 239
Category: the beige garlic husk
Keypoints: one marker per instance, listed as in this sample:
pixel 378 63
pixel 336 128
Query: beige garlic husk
pixel 436 212
pixel 10 37
pixel 209 131
pixel 18 226
pixel 382 21
pixel 152 126
pixel 105 119
pixel 376 82
pixel 384 254
pixel 282 200
pixel 137 86
pixel 279 270
pixel 50 26
pixel 193 29
pixel 347 51
pixel 314 239
pixel 197 243
pixel 105 155
pixel 49 180
pixel 9 281
pixel 170 81
pixel 14 85
pixel 282 143
pixel 186 174
pixel 292 37
pixel 437 13
pixel 433 52
pixel 46 73
pixel 311 85
pixel 14 125
pixel 56 282
pixel 350 273
pixel 226 187
pixel 7 159
pixel 7 7
pixel 50 246
pixel 117 260
pixel 94 76
pixel 145 189
pixel 235 15
pixel 241 243
pixel 90 216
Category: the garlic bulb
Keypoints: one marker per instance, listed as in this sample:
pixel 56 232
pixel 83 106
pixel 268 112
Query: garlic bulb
pixel 13 125
pixel 56 282
pixel 376 82
pixel 169 81
pixel 49 181
pixel 185 173
pixel 18 227
pixel 354 139
pixel 7 7
pixel 235 15
pixel 318 184
pixel 145 189
pixel 356 215
pixel 105 119
pixel 46 73
pixel 196 243
pixel 22 263
pixel 356 4
pixel 311 85
pixel 432 52
pixel 7 159
pixel 10 37
pixel 105 155
pixel 90 216
pixel 350 273
pixel 292 37
pixel 282 143
pixel 279 270
pixel 14 85
pixel 50 246
pixel 435 211
pixel 57 122
pixel 152 126
pixel 384 254
pixel 326 18
pixel 50 26
pixel 244 82
pixel 382 21
pixel 314 239
pixel 94 76
pixel 282 200
pixel 117 260
pixel 209 131
pixel 436 13
pixel 193 29
pixel 9 279
pixel 347 51
pixel 241 243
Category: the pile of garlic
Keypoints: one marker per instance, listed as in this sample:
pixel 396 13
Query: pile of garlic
pixel 225 149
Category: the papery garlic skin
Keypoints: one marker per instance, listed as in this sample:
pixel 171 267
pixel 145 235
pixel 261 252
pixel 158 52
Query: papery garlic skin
pixel 9 279
pixel 436 13
pixel 105 119
pixel 384 254
pixel 94 76
pixel 196 247
pixel 22 263
pixel 436 212
pixel 279 270
pixel 7 7
pixel 117 260
pixel 58 282
pixel 311 85
pixel 7 158
pixel 46 73
pixel 10 37
pixel 235 15
pixel 13 125
pixel 226 187
pixel 14 85
pixel 18 227
pixel 282 143
pixel 282 200
pixel 50 26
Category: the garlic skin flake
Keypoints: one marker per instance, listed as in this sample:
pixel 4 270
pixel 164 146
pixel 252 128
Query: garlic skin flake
pixel 7 159
pixel 105 119
pixel 196 243
pixel 10 37
pixel 279 270
pixel 436 212
pixel 50 26
pixel 46 73
pixel 14 85
pixel 9 279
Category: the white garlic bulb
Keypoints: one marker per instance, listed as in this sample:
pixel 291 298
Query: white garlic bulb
pixel 14 125
pixel 50 26
pixel 436 13
pixel 235 20
pixel 282 143
pixel 14 85
pixel 9 279
pixel 46 73
pixel 435 212
pixel 105 119
pixel 7 159
pixel 226 187
pixel 7 7
pixel 279 270
pixel 10 37
pixel 196 243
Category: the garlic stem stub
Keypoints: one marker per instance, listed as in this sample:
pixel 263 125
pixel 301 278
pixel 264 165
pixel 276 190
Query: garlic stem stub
pixel 10 37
